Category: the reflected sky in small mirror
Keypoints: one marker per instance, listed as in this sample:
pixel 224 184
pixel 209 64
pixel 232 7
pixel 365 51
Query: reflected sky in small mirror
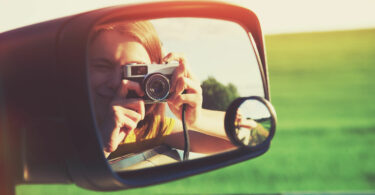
pixel 255 109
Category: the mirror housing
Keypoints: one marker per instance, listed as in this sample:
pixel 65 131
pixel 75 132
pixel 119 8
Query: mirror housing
pixel 42 132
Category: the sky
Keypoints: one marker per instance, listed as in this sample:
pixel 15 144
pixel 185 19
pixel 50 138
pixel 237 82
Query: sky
pixel 286 16
pixel 226 55
pixel 276 16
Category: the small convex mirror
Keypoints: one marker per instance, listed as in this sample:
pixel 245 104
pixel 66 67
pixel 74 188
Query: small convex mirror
pixel 250 121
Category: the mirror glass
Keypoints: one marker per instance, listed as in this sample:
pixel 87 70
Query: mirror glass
pixel 142 73
pixel 252 123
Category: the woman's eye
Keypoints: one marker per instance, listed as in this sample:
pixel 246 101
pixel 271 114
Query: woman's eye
pixel 102 66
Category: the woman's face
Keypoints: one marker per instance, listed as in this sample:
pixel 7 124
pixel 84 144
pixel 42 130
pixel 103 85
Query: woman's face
pixel 109 51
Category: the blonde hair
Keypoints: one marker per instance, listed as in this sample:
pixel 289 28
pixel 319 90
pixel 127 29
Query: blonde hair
pixel 144 33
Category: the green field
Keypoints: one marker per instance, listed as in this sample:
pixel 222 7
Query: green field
pixel 323 88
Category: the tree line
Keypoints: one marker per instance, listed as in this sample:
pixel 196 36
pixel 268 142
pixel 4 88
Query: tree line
pixel 217 96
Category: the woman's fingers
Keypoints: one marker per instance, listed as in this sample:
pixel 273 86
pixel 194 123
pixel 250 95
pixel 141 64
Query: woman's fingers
pixel 173 56
pixel 136 105
pixel 121 112
pixel 125 120
pixel 114 141
pixel 185 89
pixel 128 122
pixel 126 86
pixel 193 100
pixel 124 117
pixel 188 85
pixel 181 71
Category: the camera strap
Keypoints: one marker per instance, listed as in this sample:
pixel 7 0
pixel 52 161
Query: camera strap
pixel 186 134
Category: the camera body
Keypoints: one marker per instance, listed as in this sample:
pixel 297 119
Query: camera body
pixel 154 79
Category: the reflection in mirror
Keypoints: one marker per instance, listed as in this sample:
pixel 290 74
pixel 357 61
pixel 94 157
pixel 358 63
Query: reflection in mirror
pixel 250 121
pixel 253 122
pixel 142 72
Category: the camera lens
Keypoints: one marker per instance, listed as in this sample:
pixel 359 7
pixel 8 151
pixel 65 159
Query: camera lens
pixel 157 87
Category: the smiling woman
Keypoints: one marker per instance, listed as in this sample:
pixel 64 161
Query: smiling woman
pixel 124 120
pixel 129 64
pixel 110 50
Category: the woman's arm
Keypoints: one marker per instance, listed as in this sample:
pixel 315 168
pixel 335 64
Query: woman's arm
pixel 206 136
pixel 208 124
pixel 199 142
pixel 211 122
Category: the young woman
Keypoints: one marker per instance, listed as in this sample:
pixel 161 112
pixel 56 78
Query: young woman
pixel 128 125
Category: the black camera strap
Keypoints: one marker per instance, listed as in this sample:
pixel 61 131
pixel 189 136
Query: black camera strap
pixel 186 134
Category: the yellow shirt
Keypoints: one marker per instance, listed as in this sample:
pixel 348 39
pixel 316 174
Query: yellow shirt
pixel 135 142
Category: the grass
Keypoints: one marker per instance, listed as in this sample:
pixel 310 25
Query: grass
pixel 322 86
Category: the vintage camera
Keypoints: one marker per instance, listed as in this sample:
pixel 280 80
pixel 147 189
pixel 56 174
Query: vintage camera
pixel 154 78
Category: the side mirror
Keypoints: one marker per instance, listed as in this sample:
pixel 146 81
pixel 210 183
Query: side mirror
pixel 60 84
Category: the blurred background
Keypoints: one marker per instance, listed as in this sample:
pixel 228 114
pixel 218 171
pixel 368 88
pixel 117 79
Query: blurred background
pixel 321 58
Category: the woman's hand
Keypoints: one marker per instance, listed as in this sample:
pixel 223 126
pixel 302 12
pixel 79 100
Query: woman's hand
pixel 122 116
pixel 245 123
pixel 185 89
